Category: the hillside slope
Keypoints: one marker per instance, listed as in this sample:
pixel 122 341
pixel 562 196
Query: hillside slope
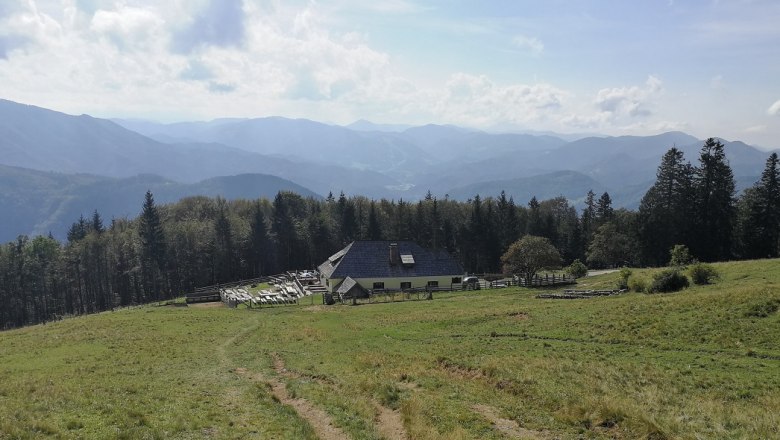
pixel 487 365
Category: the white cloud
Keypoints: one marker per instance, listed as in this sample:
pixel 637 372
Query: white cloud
pixel 478 101
pixel 774 109
pixel 629 101
pixel 129 28
pixel 532 44
pixel 120 58
pixel 756 129
pixel 395 7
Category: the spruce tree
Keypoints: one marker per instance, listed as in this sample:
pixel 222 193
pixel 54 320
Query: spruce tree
pixel 534 226
pixel 97 223
pixel 260 244
pixel 224 265
pixel 604 209
pixel 588 218
pixel 374 230
pixel 665 212
pixel 715 206
pixel 77 230
pixel 153 249
pixel 760 225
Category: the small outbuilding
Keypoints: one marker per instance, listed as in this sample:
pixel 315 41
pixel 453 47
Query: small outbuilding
pixel 389 265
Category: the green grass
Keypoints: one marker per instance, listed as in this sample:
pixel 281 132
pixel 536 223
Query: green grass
pixel 700 363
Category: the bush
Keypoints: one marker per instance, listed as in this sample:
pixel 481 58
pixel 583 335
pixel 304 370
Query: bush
pixel 702 273
pixel 680 256
pixel 637 284
pixel 622 282
pixel 670 280
pixel 577 269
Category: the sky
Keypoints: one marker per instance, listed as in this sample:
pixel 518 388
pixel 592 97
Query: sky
pixel 640 67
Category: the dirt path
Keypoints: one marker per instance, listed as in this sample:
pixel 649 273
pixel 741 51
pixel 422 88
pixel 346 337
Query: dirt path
pixel 319 420
pixel 509 427
pixel 388 421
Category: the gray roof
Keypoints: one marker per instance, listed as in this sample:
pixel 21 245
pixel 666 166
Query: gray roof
pixel 346 286
pixel 371 259
pixel 327 268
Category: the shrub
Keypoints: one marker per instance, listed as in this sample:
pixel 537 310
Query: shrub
pixel 622 282
pixel 577 269
pixel 670 280
pixel 680 256
pixel 702 273
pixel 637 284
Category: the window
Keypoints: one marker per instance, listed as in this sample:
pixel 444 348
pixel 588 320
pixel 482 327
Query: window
pixel 405 285
pixel 379 285
pixel 433 284
pixel 456 280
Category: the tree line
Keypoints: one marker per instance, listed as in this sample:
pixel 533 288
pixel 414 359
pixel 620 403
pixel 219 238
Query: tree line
pixel 169 250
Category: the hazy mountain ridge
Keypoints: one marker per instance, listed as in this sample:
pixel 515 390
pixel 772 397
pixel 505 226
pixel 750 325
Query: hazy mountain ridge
pixel 305 140
pixel 82 144
pixel 43 202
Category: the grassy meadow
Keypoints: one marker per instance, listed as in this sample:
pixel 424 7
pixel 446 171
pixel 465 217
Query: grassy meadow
pixel 490 364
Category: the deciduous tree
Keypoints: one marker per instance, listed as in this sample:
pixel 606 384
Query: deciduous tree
pixel 529 255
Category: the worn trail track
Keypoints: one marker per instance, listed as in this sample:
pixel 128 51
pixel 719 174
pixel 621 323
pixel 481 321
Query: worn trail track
pixel 388 422
pixel 510 428
pixel 319 420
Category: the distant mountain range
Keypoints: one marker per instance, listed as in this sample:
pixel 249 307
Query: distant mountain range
pixel 108 164
pixel 41 139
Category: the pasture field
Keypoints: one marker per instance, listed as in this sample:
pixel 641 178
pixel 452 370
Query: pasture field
pixel 490 364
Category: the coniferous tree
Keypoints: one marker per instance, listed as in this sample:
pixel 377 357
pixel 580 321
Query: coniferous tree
pixel 507 222
pixel 97 223
pixel 284 230
pixel 78 230
pixel 490 248
pixel 665 212
pixel 153 250
pixel 715 206
pixel 471 238
pixel 760 214
pixel 604 209
pixel 422 225
pixel 436 225
pixel 348 225
pixel 224 261
pixel 588 219
pixel 260 249
pixel 534 226
pixel 374 230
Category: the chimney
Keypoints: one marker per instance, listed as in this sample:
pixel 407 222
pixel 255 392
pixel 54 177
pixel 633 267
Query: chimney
pixel 395 256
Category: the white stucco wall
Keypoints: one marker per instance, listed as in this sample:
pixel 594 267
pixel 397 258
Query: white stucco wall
pixel 395 283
